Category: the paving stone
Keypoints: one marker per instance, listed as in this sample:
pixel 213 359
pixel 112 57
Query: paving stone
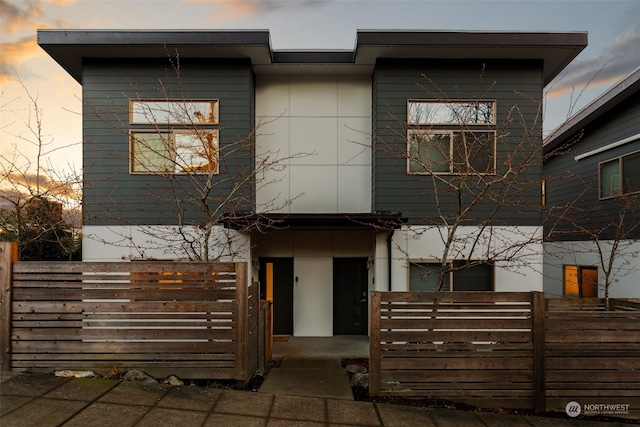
pixel 218 420
pixel 244 403
pixel 87 389
pixel 42 413
pixel 293 423
pixel 299 408
pixel 310 382
pixel 31 385
pixel 104 414
pixel 349 412
pixel 10 403
pixel 454 418
pixel 170 417
pixel 499 420
pixel 191 398
pixel 400 416
pixel 142 394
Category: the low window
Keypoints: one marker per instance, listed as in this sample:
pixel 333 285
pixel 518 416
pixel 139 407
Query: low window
pixel 580 282
pixel 173 112
pixel 451 113
pixel 451 152
pixel 174 151
pixel 620 176
pixel 424 277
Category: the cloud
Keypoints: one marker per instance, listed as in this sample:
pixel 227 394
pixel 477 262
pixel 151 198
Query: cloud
pixel 22 185
pixel 18 14
pixel 14 53
pixel 23 16
pixel 240 9
pixel 613 63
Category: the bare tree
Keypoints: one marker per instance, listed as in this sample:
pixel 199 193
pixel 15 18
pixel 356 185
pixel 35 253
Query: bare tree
pixel 610 232
pixel 478 174
pixel 198 170
pixel 39 203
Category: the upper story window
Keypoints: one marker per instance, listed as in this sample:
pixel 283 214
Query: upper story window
pixel 451 152
pixel 175 151
pixel 183 138
pixel 446 137
pixel 451 113
pixel 620 176
pixel 173 112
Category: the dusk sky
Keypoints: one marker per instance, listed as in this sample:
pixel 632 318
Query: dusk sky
pixel 613 51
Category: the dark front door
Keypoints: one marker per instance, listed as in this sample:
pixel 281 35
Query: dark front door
pixel 350 294
pixel 276 285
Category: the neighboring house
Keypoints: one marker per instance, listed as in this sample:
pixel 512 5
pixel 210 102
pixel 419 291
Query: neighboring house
pixel 592 173
pixel 358 136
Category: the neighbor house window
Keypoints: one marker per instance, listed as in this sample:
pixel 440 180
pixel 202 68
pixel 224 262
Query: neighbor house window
pixel 424 277
pixel 580 281
pixel 446 138
pixel 180 151
pixel 620 176
pixel 173 112
pixel 451 152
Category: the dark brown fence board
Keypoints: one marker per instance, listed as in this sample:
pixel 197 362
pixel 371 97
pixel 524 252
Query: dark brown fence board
pixel 195 320
pixel 469 342
pixel 524 352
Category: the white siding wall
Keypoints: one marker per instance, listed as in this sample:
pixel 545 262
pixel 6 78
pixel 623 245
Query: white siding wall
pixel 118 243
pixel 317 128
pixel 626 266
pixel 422 243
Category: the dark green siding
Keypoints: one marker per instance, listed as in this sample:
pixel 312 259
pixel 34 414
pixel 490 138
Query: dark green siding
pixel 114 196
pixel 515 85
pixel 575 183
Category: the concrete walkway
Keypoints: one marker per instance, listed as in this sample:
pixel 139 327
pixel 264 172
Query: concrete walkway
pixel 310 377
pixel 44 400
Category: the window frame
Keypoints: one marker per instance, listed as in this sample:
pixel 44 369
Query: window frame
pixel 171 133
pixel 452 273
pixel 214 111
pixel 621 183
pixel 456 101
pixel 452 133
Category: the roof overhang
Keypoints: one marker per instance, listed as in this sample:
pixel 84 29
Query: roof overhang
pixel 277 222
pixel 70 47
pixel 596 109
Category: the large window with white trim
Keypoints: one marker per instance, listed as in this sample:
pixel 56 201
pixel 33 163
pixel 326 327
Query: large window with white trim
pixel 620 176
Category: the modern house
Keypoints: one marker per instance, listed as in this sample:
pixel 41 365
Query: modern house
pixel 332 173
pixel 592 171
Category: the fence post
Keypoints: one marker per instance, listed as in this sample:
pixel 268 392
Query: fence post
pixel 242 324
pixel 539 382
pixel 374 344
pixel 8 254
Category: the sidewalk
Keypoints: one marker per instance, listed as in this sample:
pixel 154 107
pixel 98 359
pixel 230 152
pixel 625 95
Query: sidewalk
pixel 44 400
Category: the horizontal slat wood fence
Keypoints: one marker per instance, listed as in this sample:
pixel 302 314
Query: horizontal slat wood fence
pixel 592 354
pixel 500 349
pixel 194 320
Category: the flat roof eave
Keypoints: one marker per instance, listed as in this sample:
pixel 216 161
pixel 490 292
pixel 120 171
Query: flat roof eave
pixel 70 47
